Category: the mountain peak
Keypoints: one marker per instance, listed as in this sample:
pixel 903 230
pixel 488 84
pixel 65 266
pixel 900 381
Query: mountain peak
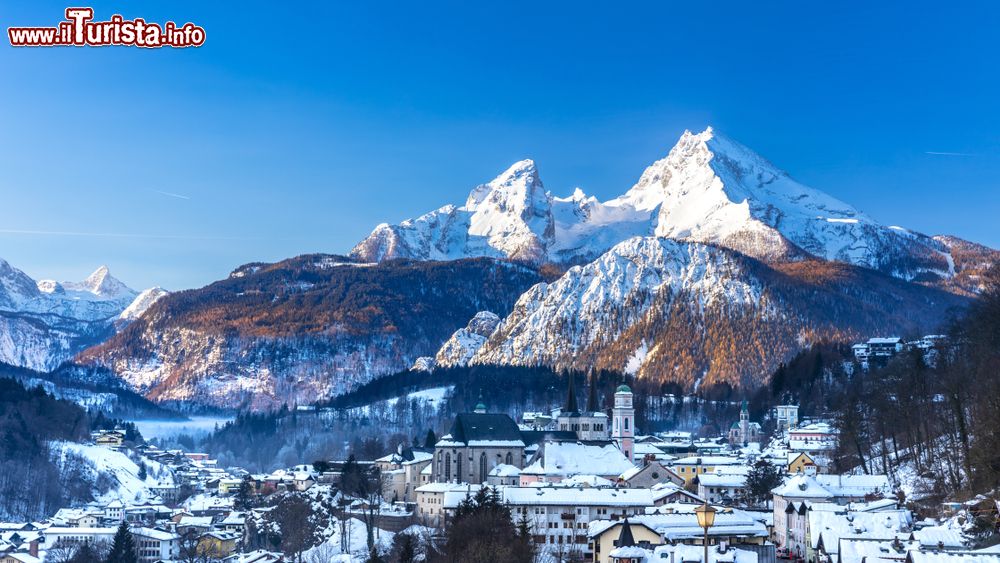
pixel 103 284
pixel 518 180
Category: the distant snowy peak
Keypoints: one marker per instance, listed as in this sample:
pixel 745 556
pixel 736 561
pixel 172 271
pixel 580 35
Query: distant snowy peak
pixel 15 286
pixel 44 323
pixel 709 188
pixel 102 284
pixel 511 217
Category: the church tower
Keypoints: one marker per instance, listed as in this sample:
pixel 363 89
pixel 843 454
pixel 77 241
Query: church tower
pixel 623 415
pixel 744 424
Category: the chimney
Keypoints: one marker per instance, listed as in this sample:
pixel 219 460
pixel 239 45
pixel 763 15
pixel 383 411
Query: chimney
pixel 33 548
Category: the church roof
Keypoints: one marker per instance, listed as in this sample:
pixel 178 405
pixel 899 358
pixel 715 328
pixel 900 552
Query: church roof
pixel 592 402
pixel 571 406
pixel 625 539
pixel 485 429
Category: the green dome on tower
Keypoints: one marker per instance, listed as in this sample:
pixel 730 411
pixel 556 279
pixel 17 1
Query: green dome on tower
pixel 623 389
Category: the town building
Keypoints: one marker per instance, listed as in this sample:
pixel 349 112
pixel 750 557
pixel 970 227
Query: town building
pixel 561 516
pixel 477 443
pixel 678 525
pixel 589 424
pixel 649 474
pixel 690 467
pixel 401 472
pixel 156 545
pixel 786 417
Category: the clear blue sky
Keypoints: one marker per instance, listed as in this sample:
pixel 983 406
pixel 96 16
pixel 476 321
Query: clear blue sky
pixel 301 139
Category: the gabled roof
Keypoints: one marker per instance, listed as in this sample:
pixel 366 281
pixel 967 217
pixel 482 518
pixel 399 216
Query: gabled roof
pixel 802 486
pixel 486 429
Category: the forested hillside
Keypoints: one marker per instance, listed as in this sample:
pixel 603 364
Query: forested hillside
pixel 303 329
pixel 33 482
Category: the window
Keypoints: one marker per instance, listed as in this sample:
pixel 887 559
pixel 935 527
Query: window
pixel 447 467
pixel 510 459
pixel 482 467
pixel 626 424
pixel 458 467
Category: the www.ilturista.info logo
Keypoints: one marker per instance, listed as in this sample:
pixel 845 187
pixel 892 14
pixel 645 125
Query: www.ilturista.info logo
pixel 80 30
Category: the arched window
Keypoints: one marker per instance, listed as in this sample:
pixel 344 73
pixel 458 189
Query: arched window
pixel 447 467
pixel 458 469
pixel 510 459
pixel 482 467
pixel 626 424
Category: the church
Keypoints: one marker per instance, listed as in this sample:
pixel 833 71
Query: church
pixel 479 441
pixel 591 424
pixel 744 432
pixel 588 424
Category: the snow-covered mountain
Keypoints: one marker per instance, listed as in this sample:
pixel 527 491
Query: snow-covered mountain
pixel 510 217
pixel 697 313
pixel 712 269
pixel 709 188
pixel 463 345
pixel 44 323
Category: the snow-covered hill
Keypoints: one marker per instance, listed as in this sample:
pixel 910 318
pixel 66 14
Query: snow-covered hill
pixel 112 474
pixel 709 188
pixel 44 323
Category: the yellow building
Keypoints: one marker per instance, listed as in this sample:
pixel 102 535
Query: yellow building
pixel 603 543
pixel 802 463
pixel 217 545
pixel 690 467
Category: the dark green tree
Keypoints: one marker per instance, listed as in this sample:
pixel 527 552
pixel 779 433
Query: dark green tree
pixel 404 548
pixel 483 531
pixel 85 554
pixel 762 478
pixel 244 498
pixel 123 548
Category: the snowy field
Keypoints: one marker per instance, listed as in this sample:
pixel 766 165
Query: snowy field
pixel 195 426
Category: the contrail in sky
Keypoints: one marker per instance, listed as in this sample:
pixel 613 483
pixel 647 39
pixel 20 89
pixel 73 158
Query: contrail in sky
pixel 170 194
pixel 935 153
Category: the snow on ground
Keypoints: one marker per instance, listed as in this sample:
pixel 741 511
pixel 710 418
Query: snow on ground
pixel 354 547
pixel 637 359
pixel 433 395
pixel 122 471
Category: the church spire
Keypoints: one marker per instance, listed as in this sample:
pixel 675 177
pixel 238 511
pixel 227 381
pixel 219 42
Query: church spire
pixel 570 396
pixel 625 538
pixel 592 405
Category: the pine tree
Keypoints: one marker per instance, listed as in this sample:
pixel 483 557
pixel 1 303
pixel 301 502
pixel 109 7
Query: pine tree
pixel 405 548
pixel 142 471
pixel 123 547
pixel 244 495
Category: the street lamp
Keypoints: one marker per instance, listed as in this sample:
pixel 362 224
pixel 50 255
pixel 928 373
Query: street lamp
pixel 706 517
